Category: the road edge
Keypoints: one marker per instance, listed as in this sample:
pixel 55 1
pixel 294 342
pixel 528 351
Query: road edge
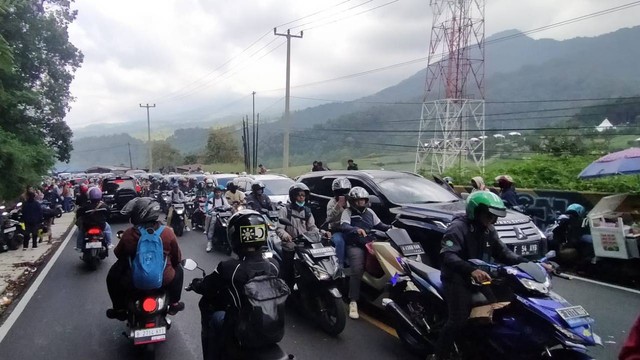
pixel 33 287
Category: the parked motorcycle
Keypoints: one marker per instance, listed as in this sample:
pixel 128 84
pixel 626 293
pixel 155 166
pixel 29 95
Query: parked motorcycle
pixel 178 219
pixel 233 350
pixel 94 248
pixel 8 229
pixel 529 321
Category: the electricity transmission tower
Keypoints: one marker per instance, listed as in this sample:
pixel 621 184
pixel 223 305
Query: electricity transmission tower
pixel 452 122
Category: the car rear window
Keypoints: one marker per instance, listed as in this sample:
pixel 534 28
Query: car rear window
pixel 111 186
pixel 414 190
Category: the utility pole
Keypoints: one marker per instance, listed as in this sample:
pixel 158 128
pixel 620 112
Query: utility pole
pixel 253 168
pixel 285 147
pixel 149 134
pixel 130 162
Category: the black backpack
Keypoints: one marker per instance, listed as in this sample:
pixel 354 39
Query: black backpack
pixel 260 316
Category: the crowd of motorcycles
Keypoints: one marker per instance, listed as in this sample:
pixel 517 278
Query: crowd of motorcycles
pixel 13 228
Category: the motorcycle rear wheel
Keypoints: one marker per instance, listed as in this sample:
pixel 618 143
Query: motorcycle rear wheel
pixel 149 352
pixel 333 315
pixel 179 229
pixel 420 308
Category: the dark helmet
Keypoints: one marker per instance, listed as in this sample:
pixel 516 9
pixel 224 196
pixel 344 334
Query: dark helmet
pixel 257 185
pixel 142 210
pixel 95 194
pixel 485 201
pixel 200 186
pixel 232 186
pixel 358 193
pixel 295 189
pixel 247 232
pixel 341 186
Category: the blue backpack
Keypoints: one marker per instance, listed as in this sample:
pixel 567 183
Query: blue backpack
pixel 147 267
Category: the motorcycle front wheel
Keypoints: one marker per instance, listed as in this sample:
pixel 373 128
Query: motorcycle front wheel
pixel 420 309
pixel 332 315
pixel 179 229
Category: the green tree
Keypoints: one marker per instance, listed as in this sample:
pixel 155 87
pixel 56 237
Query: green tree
pixel 191 159
pixel 164 155
pixel 222 146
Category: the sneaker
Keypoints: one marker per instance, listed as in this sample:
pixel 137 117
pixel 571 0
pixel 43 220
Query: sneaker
pixel 117 314
pixel 353 310
pixel 175 308
pixel 111 246
pixel 209 246
pixel 188 228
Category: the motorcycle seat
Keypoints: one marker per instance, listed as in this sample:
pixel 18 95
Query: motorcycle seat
pixel 426 272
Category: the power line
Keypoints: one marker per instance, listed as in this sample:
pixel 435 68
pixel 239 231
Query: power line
pixel 353 15
pixel 332 15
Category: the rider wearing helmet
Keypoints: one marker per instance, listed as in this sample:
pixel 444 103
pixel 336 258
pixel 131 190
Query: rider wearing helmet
pixel 247 233
pixel 355 222
pixel 82 197
pixel 209 185
pixel 200 191
pixel 471 236
pixel 507 190
pixel 93 213
pixel 477 184
pixel 233 195
pixel 340 187
pixel 257 200
pixel 298 213
pixel 143 211
pixel 569 237
pixel 215 200
pixel 177 196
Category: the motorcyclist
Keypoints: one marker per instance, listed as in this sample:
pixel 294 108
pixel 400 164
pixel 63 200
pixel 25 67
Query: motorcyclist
pixel 301 218
pixel 257 200
pixel 471 236
pixel 82 197
pixel 355 222
pixel 234 196
pixel 183 184
pixel 507 190
pixel 93 213
pixel 209 185
pixel 477 183
pixel 214 200
pixel 220 297
pixel 570 233
pixel 177 196
pixel 340 187
pixel 200 190
pixel 144 212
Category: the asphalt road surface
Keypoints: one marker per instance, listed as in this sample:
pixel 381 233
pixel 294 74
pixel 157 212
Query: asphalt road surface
pixel 66 319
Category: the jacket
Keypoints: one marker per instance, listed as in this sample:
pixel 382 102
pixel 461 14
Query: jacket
pixel 301 218
pixel 351 221
pixel 465 240
pixel 510 197
pixel 128 245
pixel 257 204
pixel 32 212
pixel 334 213
pixel 238 197
pixel 92 214
pixel 213 203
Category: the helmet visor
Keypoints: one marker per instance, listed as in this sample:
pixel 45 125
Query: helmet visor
pixel 498 212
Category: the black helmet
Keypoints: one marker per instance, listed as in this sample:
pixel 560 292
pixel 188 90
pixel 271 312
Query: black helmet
pixel 341 186
pixel 257 185
pixel 200 185
pixel 358 193
pixel 295 189
pixel 142 210
pixel 247 231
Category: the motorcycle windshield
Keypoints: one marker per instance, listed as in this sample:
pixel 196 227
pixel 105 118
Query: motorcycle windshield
pixel 534 270
pixel 399 236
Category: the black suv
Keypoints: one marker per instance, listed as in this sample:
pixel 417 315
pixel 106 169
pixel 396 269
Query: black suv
pixel 117 191
pixel 421 206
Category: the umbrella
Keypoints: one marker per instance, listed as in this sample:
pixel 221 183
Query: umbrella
pixel 625 162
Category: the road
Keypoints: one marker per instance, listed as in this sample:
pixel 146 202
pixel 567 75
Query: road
pixel 65 319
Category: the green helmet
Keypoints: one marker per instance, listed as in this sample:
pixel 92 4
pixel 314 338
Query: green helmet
pixel 485 199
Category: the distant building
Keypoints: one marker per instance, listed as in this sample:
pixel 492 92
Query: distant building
pixel 605 125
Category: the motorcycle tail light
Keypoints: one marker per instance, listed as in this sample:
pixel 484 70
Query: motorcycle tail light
pixel 93 231
pixel 149 305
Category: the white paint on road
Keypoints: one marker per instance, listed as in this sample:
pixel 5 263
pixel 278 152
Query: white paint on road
pixel 573 277
pixel 17 311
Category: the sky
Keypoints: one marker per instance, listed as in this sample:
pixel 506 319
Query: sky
pixel 200 59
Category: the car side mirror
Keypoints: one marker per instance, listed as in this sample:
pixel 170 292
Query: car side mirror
pixel 374 200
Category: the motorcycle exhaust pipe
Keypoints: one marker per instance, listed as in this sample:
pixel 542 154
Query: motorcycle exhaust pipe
pixel 402 318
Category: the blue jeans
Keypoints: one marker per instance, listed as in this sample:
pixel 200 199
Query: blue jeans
pixel 338 241
pixel 213 338
pixel 66 204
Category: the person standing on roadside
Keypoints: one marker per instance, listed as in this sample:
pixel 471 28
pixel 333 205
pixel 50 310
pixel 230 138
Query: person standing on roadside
pixel 32 217
pixel 351 165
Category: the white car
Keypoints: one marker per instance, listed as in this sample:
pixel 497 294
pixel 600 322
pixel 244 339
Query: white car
pixel 276 187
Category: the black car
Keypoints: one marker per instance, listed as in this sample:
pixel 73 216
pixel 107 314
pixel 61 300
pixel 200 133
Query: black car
pixel 421 206
pixel 117 191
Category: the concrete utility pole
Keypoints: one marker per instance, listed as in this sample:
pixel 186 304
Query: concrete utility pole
pixel 253 167
pixel 149 134
pixel 285 147
pixel 130 162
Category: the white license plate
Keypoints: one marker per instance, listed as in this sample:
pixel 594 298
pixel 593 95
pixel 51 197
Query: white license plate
pixel 93 245
pixel 572 312
pixel 526 249
pixel 8 230
pixel 322 252
pixel 144 333
pixel 411 249
pixel 225 214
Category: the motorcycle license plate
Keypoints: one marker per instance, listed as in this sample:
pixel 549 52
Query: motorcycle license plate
pixel 526 249
pixel 412 249
pixel 8 230
pixel 150 335
pixel 93 245
pixel 322 252
pixel 273 214
pixel 572 312
pixel 225 214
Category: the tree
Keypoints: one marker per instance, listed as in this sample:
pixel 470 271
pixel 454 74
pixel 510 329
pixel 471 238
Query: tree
pixel 36 96
pixel 191 159
pixel 164 155
pixel 222 146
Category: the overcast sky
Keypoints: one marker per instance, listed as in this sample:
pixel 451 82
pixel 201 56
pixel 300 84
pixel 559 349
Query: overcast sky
pixel 187 55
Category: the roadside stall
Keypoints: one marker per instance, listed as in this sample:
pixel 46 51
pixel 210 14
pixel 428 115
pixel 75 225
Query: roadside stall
pixel 615 227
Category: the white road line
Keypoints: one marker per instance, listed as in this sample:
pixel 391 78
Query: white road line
pixel 15 314
pixel 605 284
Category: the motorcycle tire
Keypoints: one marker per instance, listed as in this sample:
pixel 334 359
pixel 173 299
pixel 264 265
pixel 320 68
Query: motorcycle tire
pixel 149 352
pixel 179 230
pixel 566 354
pixel 58 212
pixel 333 314
pixel 90 257
pixel 16 242
pixel 420 308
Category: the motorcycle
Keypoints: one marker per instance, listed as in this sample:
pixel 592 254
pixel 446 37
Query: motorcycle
pixel 198 217
pixel 164 198
pixel 178 219
pixel 221 243
pixel 519 318
pixel 93 249
pixel 8 229
pixel 233 350
pixel 317 275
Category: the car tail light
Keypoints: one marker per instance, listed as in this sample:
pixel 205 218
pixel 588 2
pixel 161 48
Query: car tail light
pixel 93 231
pixel 149 305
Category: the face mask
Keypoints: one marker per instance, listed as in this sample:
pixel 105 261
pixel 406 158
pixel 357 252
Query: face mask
pixel 300 203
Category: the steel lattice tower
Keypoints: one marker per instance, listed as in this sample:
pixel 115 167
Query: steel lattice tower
pixel 452 122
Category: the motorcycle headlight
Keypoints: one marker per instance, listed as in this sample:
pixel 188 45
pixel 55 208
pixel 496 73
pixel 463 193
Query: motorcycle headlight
pixel 321 275
pixel 542 288
pixel 568 334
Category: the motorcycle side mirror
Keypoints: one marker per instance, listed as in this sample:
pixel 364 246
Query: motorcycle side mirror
pixel 189 264
pixel 374 200
pixel 550 255
pixel 5 213
pixel 285 222
pixel 19 204
pixel 119 234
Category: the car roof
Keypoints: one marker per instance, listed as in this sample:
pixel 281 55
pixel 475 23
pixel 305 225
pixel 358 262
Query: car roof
pixel 377 174
pixel 218 176
pixel 119 177
pixel 270 177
